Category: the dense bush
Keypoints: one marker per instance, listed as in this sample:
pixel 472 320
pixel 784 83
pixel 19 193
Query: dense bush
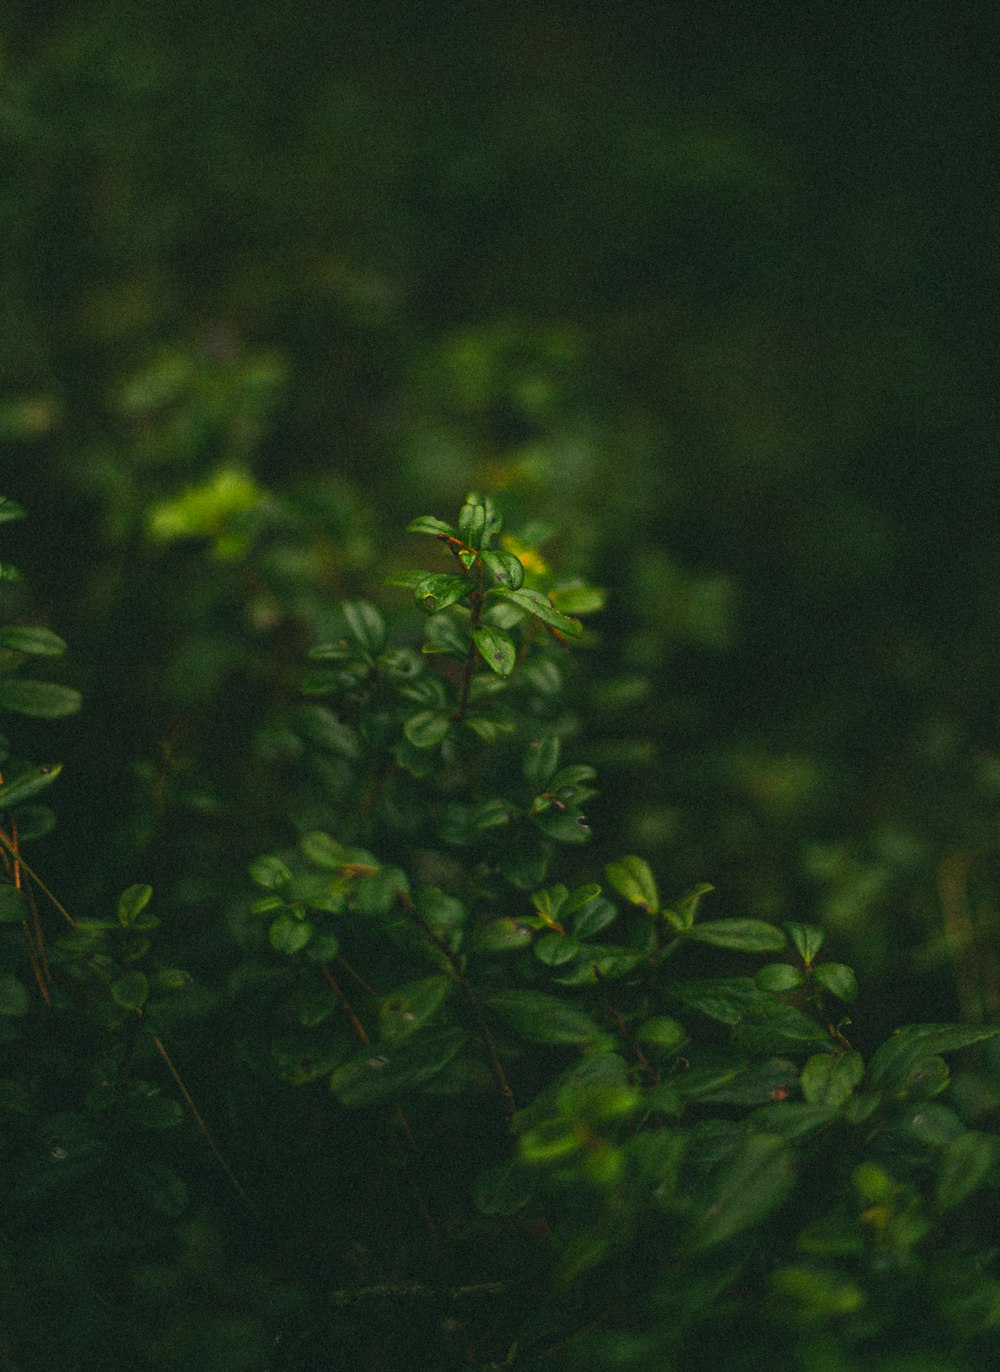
pixel 437 1097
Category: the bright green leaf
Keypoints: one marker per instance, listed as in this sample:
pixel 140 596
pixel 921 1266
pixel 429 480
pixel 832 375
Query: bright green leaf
pixel 39 699
pixel 427 524
pixel 631 877
pixel 539 605
pixel 27 784
pixel 778 977
pixel 132 902
pixel 269 872
pixel 289 935
pixel 807 939
pixel 24 638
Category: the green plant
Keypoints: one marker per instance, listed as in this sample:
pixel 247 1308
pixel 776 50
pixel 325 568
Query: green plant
pixel 471 1107
pixel 631 1139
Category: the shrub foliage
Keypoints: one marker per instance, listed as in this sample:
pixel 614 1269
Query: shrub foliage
pixel 454 1100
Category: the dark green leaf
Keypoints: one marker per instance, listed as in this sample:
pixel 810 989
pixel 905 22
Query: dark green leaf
pixel 426 728
pixel 564 826
pixel 721 998
pixel 894 1062
pixel 829 1079
pixel 541 1018
pixel 773 1027
pixel 321 727
pixel 496 648
pixel 502 935
pixel 593 917
pixel 14 908
pixel 158 1185
pixel 27 784
pixel 748 1189
pixel 807 939
pixel 839 980
pixel 365 625
pixel 504 1189
pixel 555 949
pixel 472 522
pixel 683 912
pixel 505 569
pixel 39 699
pixel 778 977
pixel 408 1007
pixel 13 997
pixel 383 1072
pixel 23 638
pixel 130 990
pixel 632 878
pixel 966 1164
pixel 743 935
pixel 541 758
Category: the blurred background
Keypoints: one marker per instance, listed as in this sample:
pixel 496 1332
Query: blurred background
pixel 710 287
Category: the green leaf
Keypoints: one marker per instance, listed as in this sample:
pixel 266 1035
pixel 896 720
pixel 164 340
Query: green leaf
pixel 10 510
pixel 966 1164
pixel 365 625
pixel 555 949
pixel 23 638
pixel 13 997
pixel 632 878
pixel 594 917
pixel 441 912
pixel 743 935
pixel 778 977
pixel 27 784
pixel 321 727
pixel 439 590
pixel 14 908
pixel 323 851
pixel 899 1057
pixel 496 648
pixel 505 569
pixel 38 699
pixel 381 1073
pixel 131 990
pixel 807 939
pixel 541 758
pixel 751 1186
pixel 579 600
pixel 541 1018
pixel 410 1006
pixel 132 902
pixel 683 912
pixel 427 524
pixel 502 935
pixel 565 826
pixel 539 605
pixel 829 1080
pixel 427 728
pixel 269 872
pixel 504 1189
pixel 472 522
pixel 289 935
pixel 9 573
pixel 838 979
pixel 579 899
pixel 722 998
pixel 158 1185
